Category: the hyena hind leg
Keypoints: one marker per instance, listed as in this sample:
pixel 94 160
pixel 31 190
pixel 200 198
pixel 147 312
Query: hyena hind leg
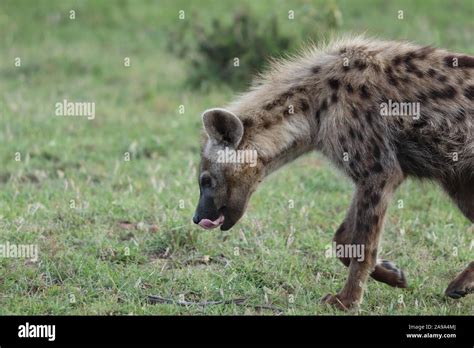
pixel 462 193
pixel 385 271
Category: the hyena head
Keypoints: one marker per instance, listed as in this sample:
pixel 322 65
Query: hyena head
pixel 229 172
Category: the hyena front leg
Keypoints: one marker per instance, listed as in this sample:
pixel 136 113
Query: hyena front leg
pixel 385 271
pixel 371 200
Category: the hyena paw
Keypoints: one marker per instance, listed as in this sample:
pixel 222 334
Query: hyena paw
pixel 338 301
pixel 456 291
pixel 392 275
pixel 463 284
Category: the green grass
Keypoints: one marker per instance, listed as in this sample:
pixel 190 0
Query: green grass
pixel 274 252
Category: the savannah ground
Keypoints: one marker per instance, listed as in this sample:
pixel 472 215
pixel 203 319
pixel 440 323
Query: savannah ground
pixel 110 232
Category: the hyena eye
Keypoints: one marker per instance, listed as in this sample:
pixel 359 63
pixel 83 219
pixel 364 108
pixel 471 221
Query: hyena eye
pixel 206 181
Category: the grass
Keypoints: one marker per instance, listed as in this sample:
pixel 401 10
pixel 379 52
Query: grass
pixel 129 234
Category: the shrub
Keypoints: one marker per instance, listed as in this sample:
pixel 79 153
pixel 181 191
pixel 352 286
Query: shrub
pixel 232 53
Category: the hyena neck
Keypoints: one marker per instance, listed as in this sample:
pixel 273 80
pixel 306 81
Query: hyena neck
pixel 277 123
pixel 286 156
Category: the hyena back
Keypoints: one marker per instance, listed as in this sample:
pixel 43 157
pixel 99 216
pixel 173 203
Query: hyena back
pixel 380 111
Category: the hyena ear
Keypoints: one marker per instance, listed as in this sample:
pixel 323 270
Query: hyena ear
pixel 223 126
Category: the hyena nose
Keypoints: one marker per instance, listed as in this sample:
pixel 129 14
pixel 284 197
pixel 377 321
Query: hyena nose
pixel 196 218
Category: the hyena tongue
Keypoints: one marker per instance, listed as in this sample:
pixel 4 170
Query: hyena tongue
pixel 208 224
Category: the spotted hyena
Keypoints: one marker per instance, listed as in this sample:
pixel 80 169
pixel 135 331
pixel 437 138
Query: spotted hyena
pixel 380 111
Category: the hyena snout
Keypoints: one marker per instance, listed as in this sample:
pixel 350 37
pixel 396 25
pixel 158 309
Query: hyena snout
pixel 212 212
pixel 207 214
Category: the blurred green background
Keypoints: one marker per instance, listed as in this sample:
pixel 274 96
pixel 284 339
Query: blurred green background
pixel 129 233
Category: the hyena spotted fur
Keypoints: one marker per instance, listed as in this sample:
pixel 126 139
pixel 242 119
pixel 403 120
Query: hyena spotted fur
pixel 329 99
